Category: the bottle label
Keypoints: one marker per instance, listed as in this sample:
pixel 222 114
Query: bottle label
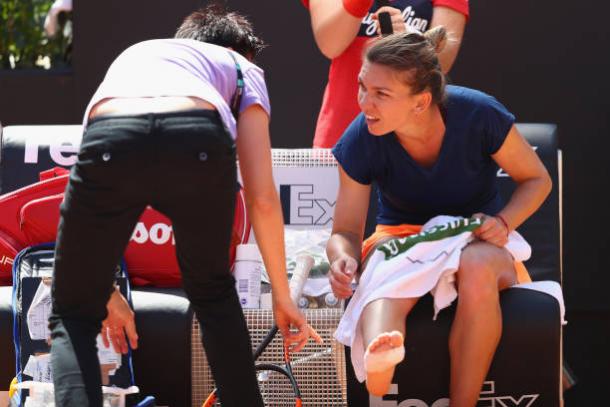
pixel 248 283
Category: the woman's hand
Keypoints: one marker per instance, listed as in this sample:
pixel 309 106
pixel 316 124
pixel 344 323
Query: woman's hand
pixel 492 230
pixel 119 322
pixel 342 272
pixel 398 22
pixel 287 316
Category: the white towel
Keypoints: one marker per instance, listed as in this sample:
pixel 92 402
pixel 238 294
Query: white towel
pixel 411 267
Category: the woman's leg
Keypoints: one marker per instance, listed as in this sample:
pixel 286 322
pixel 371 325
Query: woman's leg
pixel 383 330
pixel 97 220
pixel 484 271
pixel 199 197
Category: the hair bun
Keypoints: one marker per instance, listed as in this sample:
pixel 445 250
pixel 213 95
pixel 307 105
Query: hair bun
pixel 437 36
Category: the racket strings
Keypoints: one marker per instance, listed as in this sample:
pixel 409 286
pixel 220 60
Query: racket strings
pixel 276 388
pixel 319 369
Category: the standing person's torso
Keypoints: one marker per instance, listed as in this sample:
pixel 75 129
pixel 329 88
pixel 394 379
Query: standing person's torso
pixel 340 103
pixel 183 67
pixel 461 182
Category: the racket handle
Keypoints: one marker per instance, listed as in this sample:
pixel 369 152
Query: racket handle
pixel 299 276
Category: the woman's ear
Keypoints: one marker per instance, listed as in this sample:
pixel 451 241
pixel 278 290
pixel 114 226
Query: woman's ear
pixel 422 101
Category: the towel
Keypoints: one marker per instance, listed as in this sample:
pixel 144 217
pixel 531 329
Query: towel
pixel 412 266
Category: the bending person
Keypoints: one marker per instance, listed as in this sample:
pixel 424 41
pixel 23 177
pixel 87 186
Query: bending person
pixel 160 132
pixel 432 150
pixel 342 28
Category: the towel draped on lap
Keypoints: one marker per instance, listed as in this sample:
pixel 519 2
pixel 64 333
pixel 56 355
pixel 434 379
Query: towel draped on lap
pixel 421 259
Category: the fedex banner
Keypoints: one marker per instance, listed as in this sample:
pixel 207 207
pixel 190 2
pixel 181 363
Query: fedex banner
pixel 308 195
pixel 488 398
pixel 28 150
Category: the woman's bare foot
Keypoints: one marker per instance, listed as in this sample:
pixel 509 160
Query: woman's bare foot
pixel 381 357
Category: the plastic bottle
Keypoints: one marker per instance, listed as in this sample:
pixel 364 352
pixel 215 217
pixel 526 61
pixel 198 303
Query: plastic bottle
pixel 43 395
pixel 247 272
pixel 331 301
pixel 115 396
pixel 40 394
pixel 303 302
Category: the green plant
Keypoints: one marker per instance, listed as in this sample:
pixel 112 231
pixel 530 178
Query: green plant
pixel 23 43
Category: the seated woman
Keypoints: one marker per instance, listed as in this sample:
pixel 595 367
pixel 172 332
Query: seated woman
pixel 342 28
pixel 432 150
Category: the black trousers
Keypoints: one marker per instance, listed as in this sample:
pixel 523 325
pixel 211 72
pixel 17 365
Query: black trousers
pixel 183 165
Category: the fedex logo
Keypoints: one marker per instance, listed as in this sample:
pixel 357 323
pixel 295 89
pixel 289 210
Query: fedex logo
pixel 488 399
pixel 62 153
pixel 301 207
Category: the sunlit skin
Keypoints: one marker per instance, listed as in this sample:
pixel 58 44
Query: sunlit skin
pixel 392 109
pixel 389 105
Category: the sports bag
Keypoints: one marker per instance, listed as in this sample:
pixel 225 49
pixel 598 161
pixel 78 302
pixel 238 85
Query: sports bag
pixel 31 215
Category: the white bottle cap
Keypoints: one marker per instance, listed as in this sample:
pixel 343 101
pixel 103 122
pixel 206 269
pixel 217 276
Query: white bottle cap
pixel 303 302
pixel 331 300
pixel 247 252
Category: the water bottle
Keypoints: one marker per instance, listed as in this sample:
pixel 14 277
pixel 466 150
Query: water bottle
pixel 303 302
pixel 331 301
pixel 247 272
pixel 116 396
pixel 40 394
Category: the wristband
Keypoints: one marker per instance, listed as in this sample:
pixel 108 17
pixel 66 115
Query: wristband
pixel 504 223
pixel 357 8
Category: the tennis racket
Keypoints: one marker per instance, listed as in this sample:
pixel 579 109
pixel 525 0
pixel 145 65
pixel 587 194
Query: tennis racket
pixel 278 384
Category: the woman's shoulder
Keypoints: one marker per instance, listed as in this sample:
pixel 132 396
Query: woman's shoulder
pixel 462 95
pixel 357 128
pixel 475 109
pixel 357 136
pixel 472 103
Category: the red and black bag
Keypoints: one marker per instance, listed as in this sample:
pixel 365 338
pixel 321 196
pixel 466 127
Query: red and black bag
pixel 31 215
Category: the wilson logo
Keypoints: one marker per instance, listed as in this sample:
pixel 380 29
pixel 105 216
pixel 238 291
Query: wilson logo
pixel 159 234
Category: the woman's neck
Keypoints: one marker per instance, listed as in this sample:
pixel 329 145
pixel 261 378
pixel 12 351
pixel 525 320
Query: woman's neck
pixel 426 128
pixel 424 139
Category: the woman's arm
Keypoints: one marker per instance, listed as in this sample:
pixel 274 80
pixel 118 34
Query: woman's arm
pixel 454 22
pixel 519 160
pixel 265 212
pixel 534 184
pixel 333 27
pixel 262 201
pixel 345 244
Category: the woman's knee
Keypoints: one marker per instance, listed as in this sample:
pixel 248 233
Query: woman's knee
pixel 481 266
